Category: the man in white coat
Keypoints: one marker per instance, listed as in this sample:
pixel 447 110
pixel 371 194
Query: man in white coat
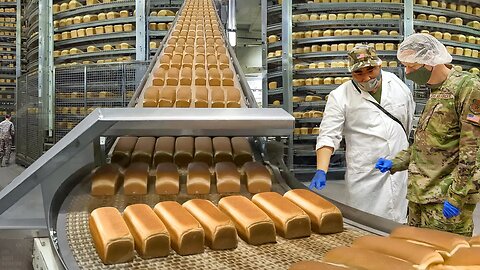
pixel 374 112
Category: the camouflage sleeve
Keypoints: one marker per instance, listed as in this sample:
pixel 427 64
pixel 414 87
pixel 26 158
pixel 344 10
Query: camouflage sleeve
pixel 12 130
pixel 401 161
pixel 468 109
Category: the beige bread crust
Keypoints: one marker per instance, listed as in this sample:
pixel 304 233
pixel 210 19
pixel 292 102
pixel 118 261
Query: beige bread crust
pixel 220 232
pixel 143 150
pixel 325 217
pixel 167 179
pixel 290 220
pixel 464 257
pixel 475 241
pixel 421 256
pixel 252 224
pixel 105 180
pixel 123 150
pixel 150 234
pixel 228 177
pixel 314 265
pixel 457 267
pixel 186 233
pixel 242 151
pixel 203 150
pixel 446 243
pixel 136 179
pixel 222 148
pixel 112 239
pixel 359 258
pixel 183 151
pixel 164 149
pixel 198 178
pixel 258 178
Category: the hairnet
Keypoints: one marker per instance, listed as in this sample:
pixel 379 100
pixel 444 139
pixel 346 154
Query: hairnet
pixel 423 49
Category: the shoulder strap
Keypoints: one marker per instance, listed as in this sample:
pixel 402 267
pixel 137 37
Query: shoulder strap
pixel 389 115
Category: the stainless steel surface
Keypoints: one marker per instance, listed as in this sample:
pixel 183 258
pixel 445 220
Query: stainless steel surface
pixel 141 37
pixel 265 89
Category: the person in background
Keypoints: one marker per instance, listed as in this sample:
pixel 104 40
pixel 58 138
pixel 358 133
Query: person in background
pixel 444 160
pixel 374 112
pixel 7 131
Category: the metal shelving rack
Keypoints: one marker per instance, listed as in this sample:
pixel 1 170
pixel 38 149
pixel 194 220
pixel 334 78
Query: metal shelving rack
pixel 71 21
pixel 8 27
pixel 282 67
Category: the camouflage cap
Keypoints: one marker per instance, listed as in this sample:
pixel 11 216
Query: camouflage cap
pixel 362 56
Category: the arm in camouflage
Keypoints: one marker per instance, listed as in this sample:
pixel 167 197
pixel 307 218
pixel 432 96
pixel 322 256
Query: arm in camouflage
pixel 401 161
pixel 466 174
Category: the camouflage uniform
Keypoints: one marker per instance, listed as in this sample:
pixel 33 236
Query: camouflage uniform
pixel 7 132
pixel 444 160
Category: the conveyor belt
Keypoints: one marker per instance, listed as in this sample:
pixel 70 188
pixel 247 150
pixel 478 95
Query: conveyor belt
pixel 77 250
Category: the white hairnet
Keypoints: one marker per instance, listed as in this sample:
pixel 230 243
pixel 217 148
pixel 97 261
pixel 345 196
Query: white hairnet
pixel 423 49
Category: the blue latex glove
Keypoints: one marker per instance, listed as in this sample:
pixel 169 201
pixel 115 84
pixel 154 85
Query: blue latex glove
pixel 383 164
pixel 449 210
pixel 319 180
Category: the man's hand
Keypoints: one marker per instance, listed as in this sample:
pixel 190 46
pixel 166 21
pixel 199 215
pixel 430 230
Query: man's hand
pixel 384 165
pixel 319 180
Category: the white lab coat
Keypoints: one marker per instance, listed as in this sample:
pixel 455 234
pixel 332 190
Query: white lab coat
pixel 370 134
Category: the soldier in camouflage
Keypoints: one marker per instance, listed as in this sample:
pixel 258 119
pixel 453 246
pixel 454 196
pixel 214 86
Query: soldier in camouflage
pixel 7 131
pixel 444 160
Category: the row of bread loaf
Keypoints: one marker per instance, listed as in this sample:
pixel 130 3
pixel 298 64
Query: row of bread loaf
pixel 342 16
pixel 342 47
pixel 8 10
pixel 308 114
pixel 3 80
pixel 181 150
pixel 443 19
pixel 7 33
pixel 306 131
pixel 89 94
pixel 405 248
pixel 99 61
pixel 107 179
pixel 92 49
pixel 454 37
pixel 9 56
pixel 90 31
pixel 182 73
pixel 335 64
pixel 320 81
pixel 187 228
pixel 351 1
pixel 455 6
pixel 186 96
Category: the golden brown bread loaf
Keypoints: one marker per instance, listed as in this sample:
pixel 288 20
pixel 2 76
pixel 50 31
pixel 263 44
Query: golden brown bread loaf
pixel 465 257
pixel 258 177
pixel 228 177
pixel 184 97
pixel 136 179
pixel 198 178
pixel 203 150
pixel 214 78
pixel 446 243
pixel 183 151
pixel 123 150
pixel 325 217
pixel 242 151
pixel 143 150
pixel 150 234
pixel 200 76
pixel 172 76
pixel 112 239
pixel 186 234
pixel 105 180
pixel 475 241
pixel 222 149
pixel 220 232
pixel 359 258
pixel 290 220
pixel 167 96
pixel 253 225
pixel 186 76
pixel 232 95
pixel 167 179
pixel 217 95
pixel 164 149
pixel 150 97
pixel 201 97
pixel 313 265
pixel 421 256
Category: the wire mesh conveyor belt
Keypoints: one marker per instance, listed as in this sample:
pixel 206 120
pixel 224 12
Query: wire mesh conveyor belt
pixel 76 244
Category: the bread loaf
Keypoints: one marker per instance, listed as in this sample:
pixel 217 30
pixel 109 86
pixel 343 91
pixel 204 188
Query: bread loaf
pixel 222 149
pixel 136 179
pixel 201 97
pixel 164 149
pixel 183 151
pixel 105 180
pixel 186 234
pixel 217 99
pixel 150 234
pixel 167 178
pixel 365 259
pixel 325 217
pixel 228 177
pixel 465 257
pixel 421 256
pixel 446 243
pixel 289 219
pixel 123 150
pixel 220 232
pixel 203 150
pixel 258 177
pixel 252 224
pixel 112 239
pixel 314 265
